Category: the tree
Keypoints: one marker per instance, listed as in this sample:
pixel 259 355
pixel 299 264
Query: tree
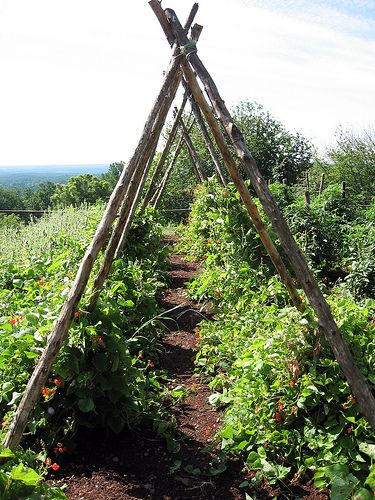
pixel 113 174
pixel 353 160
pixel 40 197
pixel 79 189
pixel 279 154
pixel 10 199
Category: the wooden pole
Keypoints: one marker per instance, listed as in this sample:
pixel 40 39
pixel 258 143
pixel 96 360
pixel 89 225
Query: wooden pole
pixel 138 195
pixel 193 153
pixel 167 174
pixel 241 186
pixel 307 191
pixel 159 167
pixel 206 137
pixel 63 322
pixel 156 194
pixel 155 5
pixel 321 186
pixel 343 187
pixel 340 348
pixel 122 228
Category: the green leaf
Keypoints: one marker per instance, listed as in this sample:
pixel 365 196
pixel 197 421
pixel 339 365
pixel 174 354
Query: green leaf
pixel 363 494
pixel 100 361
pixel 341 489
pixel 371 478
pixel 27 476
pixel 6 453
pixel 215 471
pixel 86 404
pixel 368 449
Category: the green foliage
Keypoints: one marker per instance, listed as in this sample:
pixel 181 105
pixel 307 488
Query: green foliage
pixel 288 408
pixel 40 197
pixel 85 188
pixel 19 478
pixel 10 198
pixel 106 374
pixel 353 160
pixel 279 154
pixel 360 255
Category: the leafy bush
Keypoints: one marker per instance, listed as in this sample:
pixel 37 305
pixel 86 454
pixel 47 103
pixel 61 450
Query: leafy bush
pixel 288 408
pixel 106 372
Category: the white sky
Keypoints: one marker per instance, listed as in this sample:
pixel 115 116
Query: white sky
pixel 78 77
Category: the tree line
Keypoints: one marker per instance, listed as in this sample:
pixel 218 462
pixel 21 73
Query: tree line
pixel 281 155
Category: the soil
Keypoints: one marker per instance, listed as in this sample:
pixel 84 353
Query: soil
pixel 137 464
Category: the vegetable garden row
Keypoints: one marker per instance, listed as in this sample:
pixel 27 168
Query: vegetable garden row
pixel 288 410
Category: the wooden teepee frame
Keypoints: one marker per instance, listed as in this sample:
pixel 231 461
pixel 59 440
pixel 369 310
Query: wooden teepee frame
pixel 186 66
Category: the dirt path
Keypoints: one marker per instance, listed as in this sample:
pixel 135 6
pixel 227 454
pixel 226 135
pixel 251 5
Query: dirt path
pixel 138 465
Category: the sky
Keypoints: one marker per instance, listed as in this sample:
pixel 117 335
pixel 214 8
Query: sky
pixel 79 77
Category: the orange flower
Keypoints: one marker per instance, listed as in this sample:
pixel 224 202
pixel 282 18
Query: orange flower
pixel 218 294
pixel 302 296
pixel 76 314
pixel 12 321
pixel 41 281
pixel 45 391
pixel 57 381
pixel 291 383
pixel 55 466
pixel 4 422
pixel 294 409
pixel 48 462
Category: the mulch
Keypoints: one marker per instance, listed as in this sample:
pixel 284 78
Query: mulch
pixel 137 464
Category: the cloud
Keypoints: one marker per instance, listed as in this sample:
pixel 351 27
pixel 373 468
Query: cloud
pixel 80 77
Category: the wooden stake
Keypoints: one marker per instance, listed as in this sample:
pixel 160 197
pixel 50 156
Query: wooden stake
pixel 193 153
pixel 63 322
pixel 340 348
pixel 159 167
pixel 343 187
pixel 122 228
pixel 160 191
pixel 241 186
pixel 156 7
pixel 321 186
pixel 206 137
pixel 129 221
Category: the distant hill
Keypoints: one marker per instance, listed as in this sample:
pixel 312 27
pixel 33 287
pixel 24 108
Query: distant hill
pixel 30 176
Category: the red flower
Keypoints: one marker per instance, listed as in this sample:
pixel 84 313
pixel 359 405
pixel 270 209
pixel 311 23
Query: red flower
pixel 151 364
pixel 76 314
pixel 45 391
pixel 57 381
pixel 350 430
pixel 218 294
pixel 55 466
pixel 278 417
pixel 12 321
pixel 280 405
